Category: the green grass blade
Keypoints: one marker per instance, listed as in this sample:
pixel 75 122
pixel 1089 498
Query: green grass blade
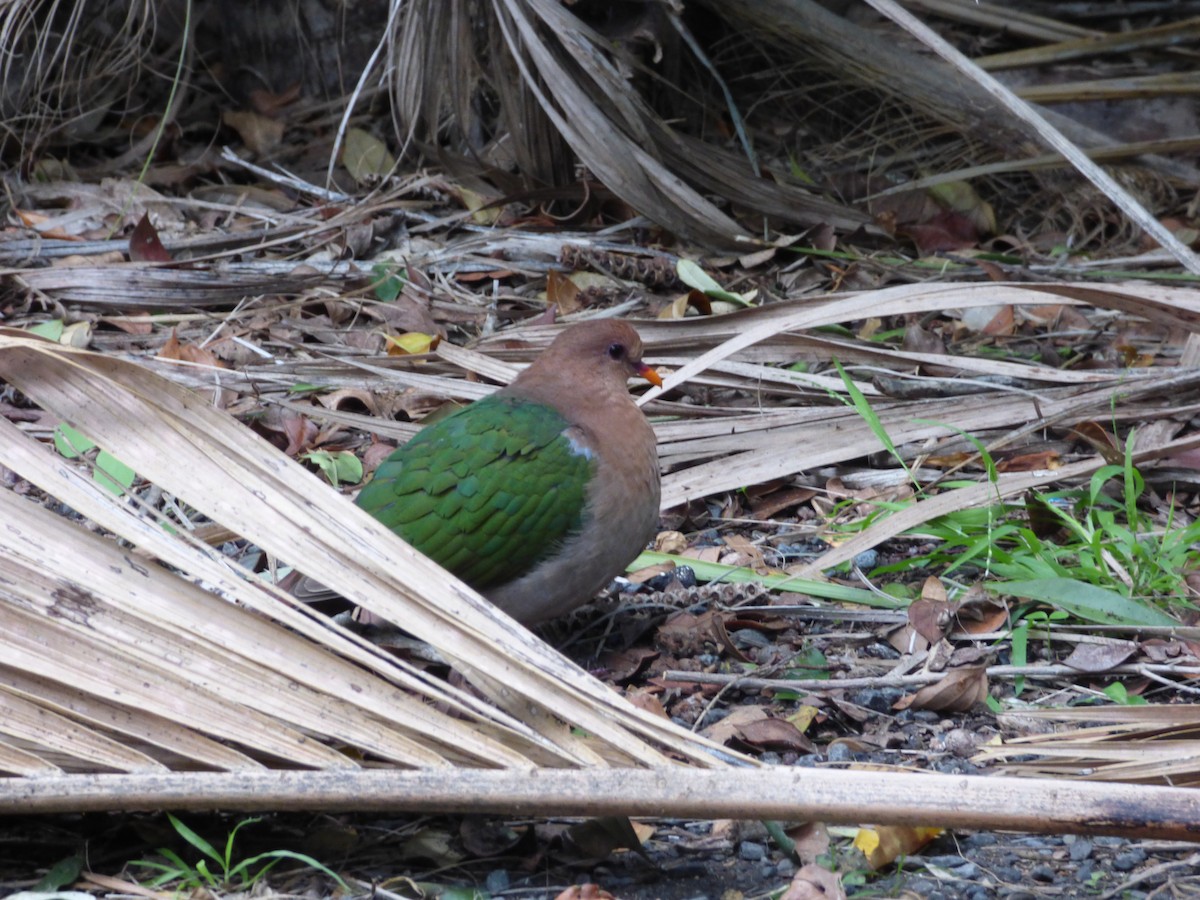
pixel 1087 601
pixel 195 840
pixel 709 571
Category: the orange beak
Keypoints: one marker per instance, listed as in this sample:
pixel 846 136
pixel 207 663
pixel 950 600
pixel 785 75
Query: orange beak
pixel 649 374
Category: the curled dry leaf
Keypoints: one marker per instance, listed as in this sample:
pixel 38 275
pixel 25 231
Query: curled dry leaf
pixel 670 542
pixel 645 700
pixel 960 690
pixel 931 619
pixel 562 292
pixel 259 133
pixel 775 734
pixel 1100 657
pixel 979 612
pixel 812 882
pixel 623 665
pixel 349 398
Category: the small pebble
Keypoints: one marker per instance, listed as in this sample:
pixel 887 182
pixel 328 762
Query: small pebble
pixel 1008 874
pixel 877 699
pixel 1130 859
pixel 751 852
pixel 977 892
pixel 1080 850
pixel 839 752
pixel 922 887
pixel 867 560
pixel 497 881
pixel 785 868
pixel 980 839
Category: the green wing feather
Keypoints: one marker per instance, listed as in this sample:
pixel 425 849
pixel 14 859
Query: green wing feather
pixel 487 492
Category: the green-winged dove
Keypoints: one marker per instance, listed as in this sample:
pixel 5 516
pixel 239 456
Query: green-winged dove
pixel 538 495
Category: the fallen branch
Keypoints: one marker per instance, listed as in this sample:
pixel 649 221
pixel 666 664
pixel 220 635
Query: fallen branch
pixel 798 794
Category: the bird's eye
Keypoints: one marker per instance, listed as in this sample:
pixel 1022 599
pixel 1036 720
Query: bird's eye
pixel 616 351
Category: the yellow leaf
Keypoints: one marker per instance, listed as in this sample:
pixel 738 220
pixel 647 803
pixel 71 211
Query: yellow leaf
pixel 366 157
pixel 410 343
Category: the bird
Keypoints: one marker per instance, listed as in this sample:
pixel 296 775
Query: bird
pixel 540 494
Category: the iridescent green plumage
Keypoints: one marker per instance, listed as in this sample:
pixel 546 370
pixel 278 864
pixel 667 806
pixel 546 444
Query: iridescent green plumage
pixel 488 492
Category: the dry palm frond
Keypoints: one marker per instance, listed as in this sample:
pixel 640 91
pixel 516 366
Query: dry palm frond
pixel 556 84
pixel 1146 744
pixel 157 637
pixel 66 64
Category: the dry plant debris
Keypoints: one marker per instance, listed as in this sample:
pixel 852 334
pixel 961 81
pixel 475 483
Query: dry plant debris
pixel 928 430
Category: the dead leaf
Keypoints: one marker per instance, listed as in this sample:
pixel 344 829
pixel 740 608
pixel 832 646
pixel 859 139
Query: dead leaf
pixel 748 554
pixel 144 243
pixel 562 293
pixel 678 308
pixel 1100 657
pixel 670 542
pixel 775 734
pixel 645 700
pixel 622 665
pixel 979 612
pixel 906 639
pixel 376 454
pixel 809 840
pixel 1040 461
pixel 771 504
pixel 960 690
pixel 685 634
pixel 930 619
pixel 130 324
pixel 350 398
pixel 813 882
pixel 411 343
pixel 259 133
pixel 598 838
pixel 366 157
pixel 727 728
pixel 301 433
pixel 883 846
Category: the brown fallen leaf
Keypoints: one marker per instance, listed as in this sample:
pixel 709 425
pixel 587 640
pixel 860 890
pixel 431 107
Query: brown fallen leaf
pixel 960 690
pixel 144 243
pixel 812 882
pixel 931 619
pixel 259 133
pixel 775 734
pixel 1100 657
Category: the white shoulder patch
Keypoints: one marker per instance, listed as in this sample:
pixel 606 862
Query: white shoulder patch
pixel 579 442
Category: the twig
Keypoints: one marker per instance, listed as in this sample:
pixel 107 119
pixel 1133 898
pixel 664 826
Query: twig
pixel 1048 133
pixel 891 680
